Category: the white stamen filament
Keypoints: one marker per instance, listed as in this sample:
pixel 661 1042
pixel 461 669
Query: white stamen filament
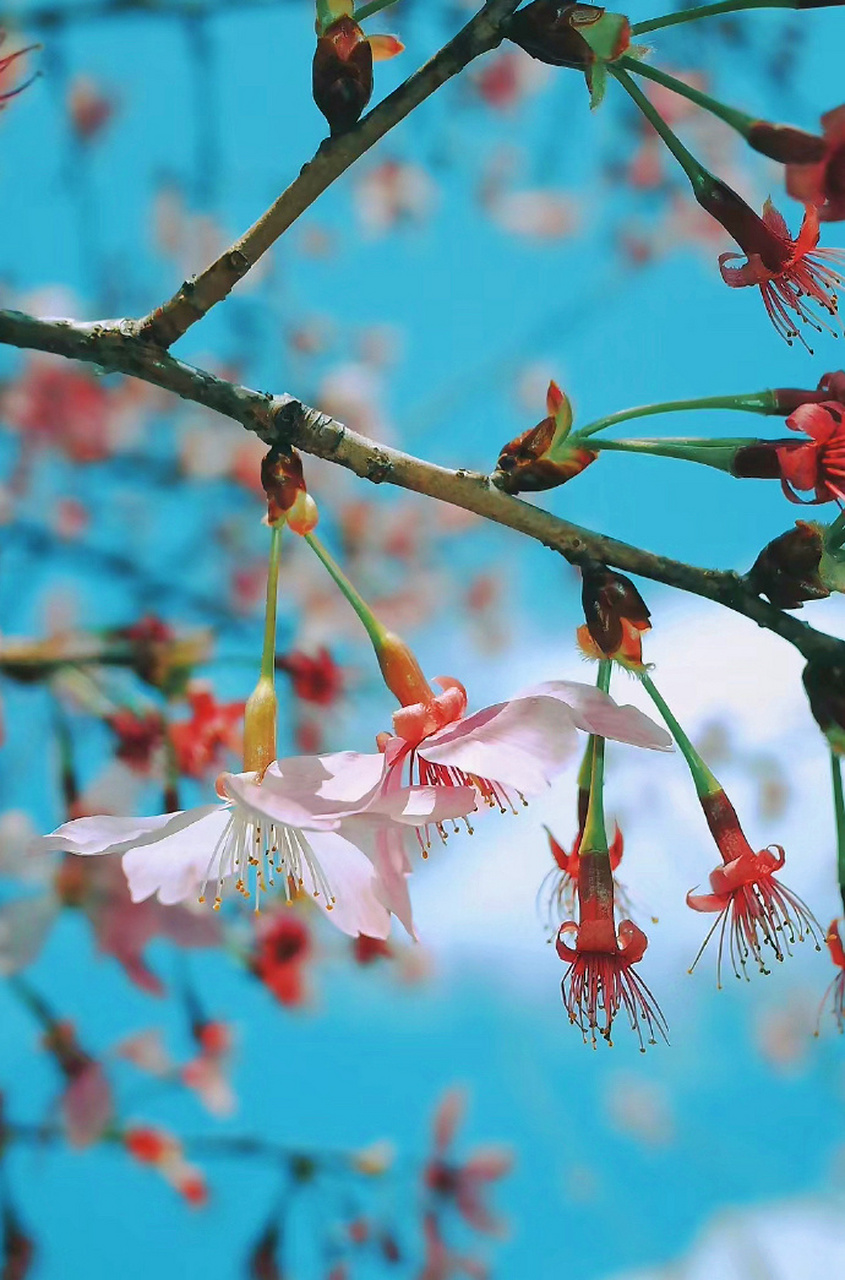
pixel 250 842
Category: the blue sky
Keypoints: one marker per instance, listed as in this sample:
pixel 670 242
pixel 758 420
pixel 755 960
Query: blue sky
pixel 621 1159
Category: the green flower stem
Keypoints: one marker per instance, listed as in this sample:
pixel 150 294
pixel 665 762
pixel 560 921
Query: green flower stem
pixel 711 453
pixel 268 652
pixel 706 784
pixel 750 402
pixel 594 839
pixel 700 178
pixel 839 813
pixel 738 120
pixel 708 11
pixel 374 629
pixel 367 10
pixel 585 770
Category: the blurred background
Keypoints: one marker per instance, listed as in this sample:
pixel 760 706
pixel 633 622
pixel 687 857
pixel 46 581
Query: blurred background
pixel 282 1078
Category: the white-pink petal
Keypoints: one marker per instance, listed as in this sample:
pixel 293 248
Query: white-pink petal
pixel 521 744
pixel 596 712
pixel 359 897
pixel 176 865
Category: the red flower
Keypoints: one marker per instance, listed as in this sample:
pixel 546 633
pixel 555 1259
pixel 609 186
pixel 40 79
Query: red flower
pixel 823 184
pixel 214 727
pixel 818 463
pixel 463 1184
pixel 790 274
pixel 138 737
pixel 284 948
pixel 317 678
pixel 836 990
pixel 600 980
pixel 757 908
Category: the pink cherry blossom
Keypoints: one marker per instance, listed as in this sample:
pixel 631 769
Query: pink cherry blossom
pixel 513 748
pixel 307 822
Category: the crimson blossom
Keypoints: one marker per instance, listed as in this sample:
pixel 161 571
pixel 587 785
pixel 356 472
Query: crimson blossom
pixel 790 274
pixel 823 184
pixel 600 981
pixel 754 908
pixel 816 464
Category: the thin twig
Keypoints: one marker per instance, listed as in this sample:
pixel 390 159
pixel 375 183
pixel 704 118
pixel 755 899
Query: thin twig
pixel 334 156
pixel 114 347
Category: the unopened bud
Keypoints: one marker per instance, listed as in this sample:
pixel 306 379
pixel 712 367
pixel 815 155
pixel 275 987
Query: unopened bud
pixel 786 145
pixel 616 614
pixel 787 569
pixel 788 399
pixel 824 684
pixel 260 727
pixel 288 500
pixel 540 458
pixel 569 35
pixel 342 74
pixel 832 386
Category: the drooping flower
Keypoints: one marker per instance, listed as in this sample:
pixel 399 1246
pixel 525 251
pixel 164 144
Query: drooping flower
pixel 567 865
pixel 819 463
pixel 284 826
pixel 836 991
pixel 463 1184
pixel 513 748
pixel 822 184
pixel 754 908
pixel 600 982
pixel 795 277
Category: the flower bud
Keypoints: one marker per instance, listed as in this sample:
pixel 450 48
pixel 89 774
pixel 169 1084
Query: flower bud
pixel 342 74
pixel 288 500
pixel 824 684
pixel 786 145
pixel 832 386
pixel 539 458
pixel 616 615
pixel 787 569
pixel 569 35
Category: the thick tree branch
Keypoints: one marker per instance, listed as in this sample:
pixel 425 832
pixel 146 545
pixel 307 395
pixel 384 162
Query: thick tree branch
pixel 285 420
pixel 197 296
